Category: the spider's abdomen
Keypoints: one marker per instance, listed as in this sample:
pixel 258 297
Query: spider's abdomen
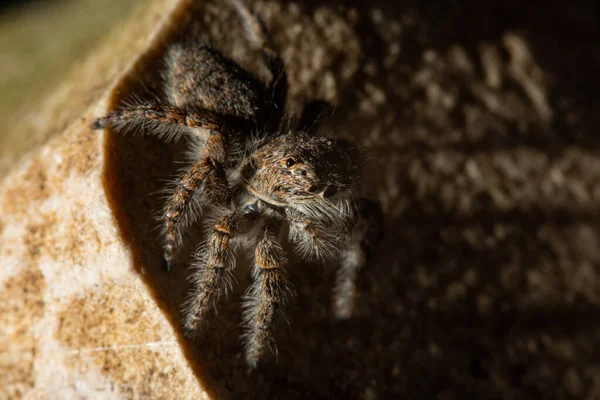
pixel 200 76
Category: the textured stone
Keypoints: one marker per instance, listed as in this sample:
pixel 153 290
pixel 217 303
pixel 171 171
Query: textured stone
pixel 76 318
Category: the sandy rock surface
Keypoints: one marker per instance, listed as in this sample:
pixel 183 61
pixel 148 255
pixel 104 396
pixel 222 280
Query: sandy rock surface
pixel 76 318
pixel 481 133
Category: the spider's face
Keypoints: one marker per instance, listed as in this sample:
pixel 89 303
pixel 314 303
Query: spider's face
pixel 298 169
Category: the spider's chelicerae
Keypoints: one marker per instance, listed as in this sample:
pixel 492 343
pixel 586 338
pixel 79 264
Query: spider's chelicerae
pixel 259 181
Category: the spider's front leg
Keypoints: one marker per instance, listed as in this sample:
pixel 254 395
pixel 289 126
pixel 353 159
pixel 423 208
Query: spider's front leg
pixel 365 236
pixel 269 292
pixel 217 261
pixel 168 121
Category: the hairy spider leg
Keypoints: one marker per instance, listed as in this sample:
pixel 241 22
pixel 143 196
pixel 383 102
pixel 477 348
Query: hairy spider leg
pixel 215 264
pixel 169 121
pixel 208 178
pixel 269 292
pixel 365 236
pixel 208 174
pixel 260 38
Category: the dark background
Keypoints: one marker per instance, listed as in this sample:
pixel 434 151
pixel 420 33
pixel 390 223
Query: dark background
pixel 6 5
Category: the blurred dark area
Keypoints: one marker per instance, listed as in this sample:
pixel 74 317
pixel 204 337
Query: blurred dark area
pixel 40 42
pixel 7 5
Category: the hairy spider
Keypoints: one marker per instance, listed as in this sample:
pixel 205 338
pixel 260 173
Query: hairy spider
pixel 257 179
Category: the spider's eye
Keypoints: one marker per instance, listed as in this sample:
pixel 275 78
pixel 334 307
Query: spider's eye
pixel 303 172
pixel 290 162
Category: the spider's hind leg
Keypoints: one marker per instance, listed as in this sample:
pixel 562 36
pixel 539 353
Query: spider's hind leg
pixel 260 38
pixel 365 236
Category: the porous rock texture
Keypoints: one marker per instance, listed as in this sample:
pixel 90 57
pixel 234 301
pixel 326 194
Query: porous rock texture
pixel 480 122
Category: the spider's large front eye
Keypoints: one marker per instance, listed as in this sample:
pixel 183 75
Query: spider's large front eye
pixel 290 162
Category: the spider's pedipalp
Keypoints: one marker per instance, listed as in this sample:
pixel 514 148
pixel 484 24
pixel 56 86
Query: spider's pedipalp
pixel 311 238
pixel 318 230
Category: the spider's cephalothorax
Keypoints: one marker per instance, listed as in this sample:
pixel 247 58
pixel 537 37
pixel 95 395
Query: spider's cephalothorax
pixel 253 178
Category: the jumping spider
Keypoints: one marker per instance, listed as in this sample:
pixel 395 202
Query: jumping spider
pixel 258 179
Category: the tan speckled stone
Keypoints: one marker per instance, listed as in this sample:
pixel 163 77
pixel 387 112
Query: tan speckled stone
pixel 76 319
